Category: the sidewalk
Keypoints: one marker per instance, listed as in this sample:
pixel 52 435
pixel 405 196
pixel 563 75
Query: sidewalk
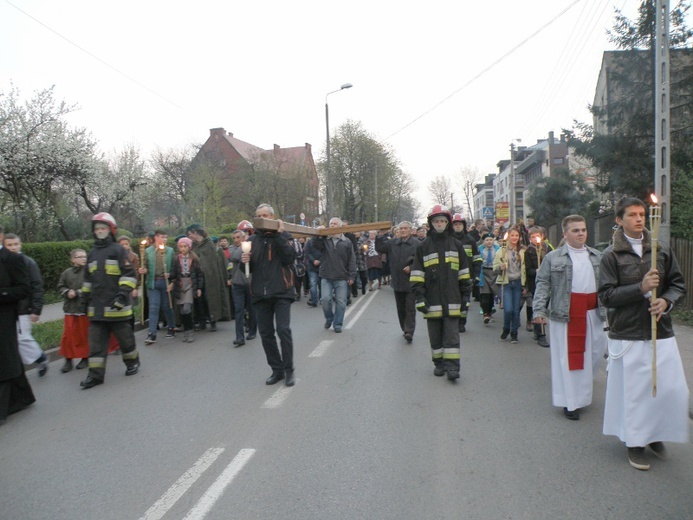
pixel 684 338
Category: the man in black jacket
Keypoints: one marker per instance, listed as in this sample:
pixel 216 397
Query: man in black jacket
pixel 400 253
pixel 272 288
pixel 29 309
pixel 642 411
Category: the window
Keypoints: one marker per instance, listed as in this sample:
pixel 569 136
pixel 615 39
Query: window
pixel 558 160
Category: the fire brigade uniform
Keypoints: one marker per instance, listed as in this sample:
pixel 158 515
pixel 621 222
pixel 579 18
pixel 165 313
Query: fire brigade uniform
pixel 441 283
pixel 473 261
pixel 108 281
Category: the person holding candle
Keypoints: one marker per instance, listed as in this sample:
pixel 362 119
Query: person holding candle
pixel 240 287
pixel 566 294
pixel 534 255
pixel 157 265
pixel 627 282
pixel 272 288
pixel 108 283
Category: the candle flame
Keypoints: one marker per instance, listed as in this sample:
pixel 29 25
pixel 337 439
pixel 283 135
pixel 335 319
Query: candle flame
pixel 537 240
pixel 505 237
pixel 653 197
pixel 161 246
pixel 144 242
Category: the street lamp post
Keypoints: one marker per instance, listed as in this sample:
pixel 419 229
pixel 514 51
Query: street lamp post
pixel 328 173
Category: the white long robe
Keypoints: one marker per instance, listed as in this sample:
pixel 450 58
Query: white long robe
pixel 630 411
pixel 572 389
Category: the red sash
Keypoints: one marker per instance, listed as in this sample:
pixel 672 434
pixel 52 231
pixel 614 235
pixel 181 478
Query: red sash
pixel 580 303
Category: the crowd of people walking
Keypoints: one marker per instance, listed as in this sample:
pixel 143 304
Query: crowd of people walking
pixel 437 269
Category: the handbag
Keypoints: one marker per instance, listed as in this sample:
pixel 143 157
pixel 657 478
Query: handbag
pixel 299 270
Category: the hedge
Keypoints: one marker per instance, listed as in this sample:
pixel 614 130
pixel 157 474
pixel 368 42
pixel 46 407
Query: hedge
pixel 53 258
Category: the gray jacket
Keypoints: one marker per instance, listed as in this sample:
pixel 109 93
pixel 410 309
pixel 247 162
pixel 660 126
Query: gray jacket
pixel 554 282
pixel 338 261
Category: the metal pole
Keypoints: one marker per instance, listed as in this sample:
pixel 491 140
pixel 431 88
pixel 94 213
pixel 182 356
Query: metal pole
pixel 328 173
pixel 662 179
pixel 511 201
pixel 376 192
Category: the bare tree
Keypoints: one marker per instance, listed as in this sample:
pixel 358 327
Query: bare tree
pixel 440 190
pixel 468 178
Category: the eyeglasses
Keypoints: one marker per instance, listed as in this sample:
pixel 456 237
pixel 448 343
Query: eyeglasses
pixel 78 257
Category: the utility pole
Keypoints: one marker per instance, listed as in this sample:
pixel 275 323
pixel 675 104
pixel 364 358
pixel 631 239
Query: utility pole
pixel 376 192
pixel 511 199
pixel 662 181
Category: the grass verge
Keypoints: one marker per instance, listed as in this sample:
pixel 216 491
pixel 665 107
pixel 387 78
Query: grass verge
pixel 682 315
pixel 48 334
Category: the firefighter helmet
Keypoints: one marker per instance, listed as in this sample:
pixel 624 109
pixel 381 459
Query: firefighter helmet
pixel 105 218
pixel 439 210
pixel 457 217
pixel 246 226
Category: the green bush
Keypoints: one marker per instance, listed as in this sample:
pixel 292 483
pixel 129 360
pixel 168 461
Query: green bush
pixel 53 258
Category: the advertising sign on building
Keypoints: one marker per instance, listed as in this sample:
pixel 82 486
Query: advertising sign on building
pixel 502 212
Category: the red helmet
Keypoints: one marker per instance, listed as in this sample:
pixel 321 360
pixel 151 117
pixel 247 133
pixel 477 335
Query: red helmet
pixel 438 210
pixel 246 226
pixel 457 217
pixel 105 218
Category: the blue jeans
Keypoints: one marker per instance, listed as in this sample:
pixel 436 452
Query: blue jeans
pixel 512 297
pixel 159 299
pixel 314 279
pixel 241 302
pixel 340 288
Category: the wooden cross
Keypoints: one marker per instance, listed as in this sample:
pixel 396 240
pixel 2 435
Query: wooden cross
pixel 265 224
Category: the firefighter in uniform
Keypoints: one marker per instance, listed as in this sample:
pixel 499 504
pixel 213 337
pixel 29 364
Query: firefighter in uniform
pixel 459 228
pixel 108 282
pixel 441 283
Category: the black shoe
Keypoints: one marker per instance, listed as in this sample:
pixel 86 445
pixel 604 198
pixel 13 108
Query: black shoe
pixel 131 370
pixel 462 328
pixel 151 338
pixel 212 326
pixel 274 378
pixel 573 415
pixel 504 336
pixel 43 367
pixel 90 382
pixel 171 333
pixel 67 366
pixel 408 337
pixel 83 363
pixel 328 324
pixel 289 378
pixel 239 343
pixel 438 371
pixel 250 336
pixel 513 338
pixel 543 342
pixel 453 374
pixel 311 304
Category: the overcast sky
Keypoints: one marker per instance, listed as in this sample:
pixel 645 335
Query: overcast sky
pixel 427 76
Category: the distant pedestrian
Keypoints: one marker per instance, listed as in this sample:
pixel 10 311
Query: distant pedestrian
pixel 508 265
pixel 187 280
pixel 29 309
pixel 401 252
pixel 243 302
pixel 440 280
pixel 488 290
pixel 157 265
pixel 74 343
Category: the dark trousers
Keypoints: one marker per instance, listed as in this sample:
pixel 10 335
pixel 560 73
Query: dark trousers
pixel 363 276
pixel 99 335
pixel 241 302
pixel 269 311
pixel 444 336
pixel 406 311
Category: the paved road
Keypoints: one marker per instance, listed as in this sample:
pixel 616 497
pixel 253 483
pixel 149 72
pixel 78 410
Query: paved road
pixel 367 433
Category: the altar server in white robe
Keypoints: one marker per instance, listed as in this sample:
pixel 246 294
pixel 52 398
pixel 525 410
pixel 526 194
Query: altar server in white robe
pixel 566 294
pixel 631 412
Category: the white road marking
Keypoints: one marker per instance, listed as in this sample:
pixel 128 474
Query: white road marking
pixel 277 398
pixel 205 504
pixel 321 348
pixel 361 311
pixel 179 488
